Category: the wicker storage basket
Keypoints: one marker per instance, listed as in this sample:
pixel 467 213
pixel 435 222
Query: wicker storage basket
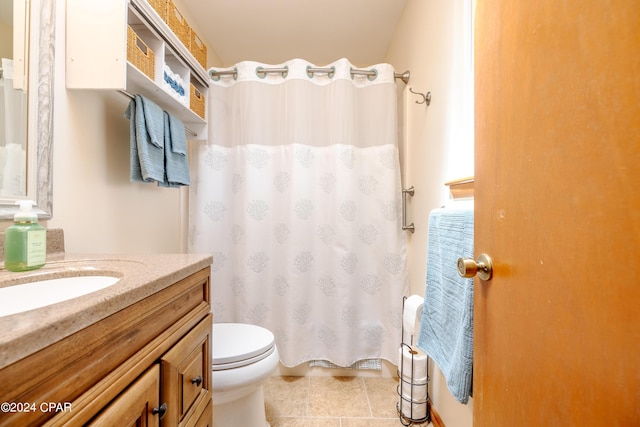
pixel 198 49
pixel 160 6
pixel 178 24
pixel 139 54
pixel 196 101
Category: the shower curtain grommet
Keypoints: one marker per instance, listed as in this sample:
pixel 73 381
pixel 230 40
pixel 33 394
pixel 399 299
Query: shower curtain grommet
pixel 329 72
pixel 371 74
pixel 217 75
pixel 262 72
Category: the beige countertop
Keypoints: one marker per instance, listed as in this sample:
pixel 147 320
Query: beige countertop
pixel 22 334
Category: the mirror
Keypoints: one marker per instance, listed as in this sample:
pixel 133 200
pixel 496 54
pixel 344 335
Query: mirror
pixel 13 101
pixel 36 129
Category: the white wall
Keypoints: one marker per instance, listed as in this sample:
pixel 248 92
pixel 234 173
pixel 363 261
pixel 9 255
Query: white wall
pixel 438 146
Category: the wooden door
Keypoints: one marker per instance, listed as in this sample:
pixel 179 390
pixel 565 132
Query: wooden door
pixel 557 330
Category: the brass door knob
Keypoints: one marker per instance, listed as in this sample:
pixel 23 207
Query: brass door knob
pixel 483 267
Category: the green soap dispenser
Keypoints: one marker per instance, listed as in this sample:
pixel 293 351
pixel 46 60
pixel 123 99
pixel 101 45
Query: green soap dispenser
pixel 25 242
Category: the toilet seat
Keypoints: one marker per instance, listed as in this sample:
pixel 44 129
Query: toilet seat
pixel 238 344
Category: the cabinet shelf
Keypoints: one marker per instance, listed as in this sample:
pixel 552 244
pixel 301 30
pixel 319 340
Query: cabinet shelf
pixel 138 82
pixel 102 62
pixel 161 27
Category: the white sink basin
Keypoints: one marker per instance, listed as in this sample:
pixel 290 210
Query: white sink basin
pixel 28 296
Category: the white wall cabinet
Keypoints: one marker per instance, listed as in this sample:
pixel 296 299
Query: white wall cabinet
pixel 96 56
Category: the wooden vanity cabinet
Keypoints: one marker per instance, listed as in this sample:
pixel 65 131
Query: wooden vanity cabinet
pixel 183 394
pixel 149 364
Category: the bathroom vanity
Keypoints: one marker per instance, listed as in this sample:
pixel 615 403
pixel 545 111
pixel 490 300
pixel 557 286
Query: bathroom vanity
pixel 138 351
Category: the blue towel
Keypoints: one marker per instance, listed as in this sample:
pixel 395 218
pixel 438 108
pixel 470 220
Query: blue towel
pixel 147 140
pixel 446 329
pixel 175 152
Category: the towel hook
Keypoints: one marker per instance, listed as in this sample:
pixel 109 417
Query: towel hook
pixel 426 97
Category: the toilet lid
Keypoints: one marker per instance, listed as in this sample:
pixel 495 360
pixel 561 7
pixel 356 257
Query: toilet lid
pixel 238 344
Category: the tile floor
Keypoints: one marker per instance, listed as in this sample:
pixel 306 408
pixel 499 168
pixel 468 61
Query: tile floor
pixel 318 401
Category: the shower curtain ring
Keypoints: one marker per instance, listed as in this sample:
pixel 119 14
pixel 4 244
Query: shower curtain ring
pixel 426 98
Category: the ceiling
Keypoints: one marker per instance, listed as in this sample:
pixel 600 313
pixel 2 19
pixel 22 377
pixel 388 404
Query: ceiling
pixel 274 31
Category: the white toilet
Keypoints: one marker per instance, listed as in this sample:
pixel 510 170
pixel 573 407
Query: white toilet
pixel 243 357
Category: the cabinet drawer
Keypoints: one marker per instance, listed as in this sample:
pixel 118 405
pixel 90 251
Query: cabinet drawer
pixel 186 373
pixel 137 405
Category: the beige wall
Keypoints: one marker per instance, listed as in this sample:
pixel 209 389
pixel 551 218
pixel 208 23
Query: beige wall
pixel 6 41
pixel 93 200
pixel 430 43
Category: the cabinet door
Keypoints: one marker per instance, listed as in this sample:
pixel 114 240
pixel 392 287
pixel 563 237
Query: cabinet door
pixel 186 375
pixel 206 419
pixel 138 405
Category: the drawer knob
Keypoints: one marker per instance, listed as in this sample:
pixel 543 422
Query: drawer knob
pixel 197 381
pixel 162 410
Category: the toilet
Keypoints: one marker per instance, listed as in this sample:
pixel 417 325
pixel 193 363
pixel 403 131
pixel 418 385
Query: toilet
pixel 244 356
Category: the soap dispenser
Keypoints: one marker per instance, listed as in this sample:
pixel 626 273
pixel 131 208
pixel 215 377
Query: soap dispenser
pixel 25 242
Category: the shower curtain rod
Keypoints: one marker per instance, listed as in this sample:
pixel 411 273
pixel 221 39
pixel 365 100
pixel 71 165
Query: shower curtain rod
pixel 402 76
pixel 128 95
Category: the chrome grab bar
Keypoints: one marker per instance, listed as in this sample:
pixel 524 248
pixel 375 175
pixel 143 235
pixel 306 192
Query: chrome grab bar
pixel 410 191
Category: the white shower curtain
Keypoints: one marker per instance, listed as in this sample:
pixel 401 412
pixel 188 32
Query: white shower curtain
pixel 297 195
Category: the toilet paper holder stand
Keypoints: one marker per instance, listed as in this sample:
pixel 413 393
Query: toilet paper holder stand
pixel 412 393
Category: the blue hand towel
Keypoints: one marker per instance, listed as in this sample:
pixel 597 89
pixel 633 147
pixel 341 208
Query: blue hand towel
pixel 147 140
pixel 175 152
pixel 446 329
pixel 134 168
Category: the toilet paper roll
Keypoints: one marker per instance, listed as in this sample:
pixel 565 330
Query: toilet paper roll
pixel 412 309
pixel 412 364
pixel 413 392
pixel 413 410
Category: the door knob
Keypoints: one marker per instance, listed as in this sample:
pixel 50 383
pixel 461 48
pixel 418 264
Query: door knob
pixel 483 266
